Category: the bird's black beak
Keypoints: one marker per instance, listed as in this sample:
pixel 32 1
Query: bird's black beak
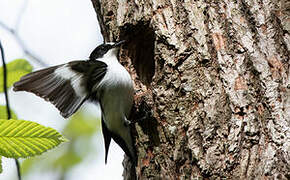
pixel 119 43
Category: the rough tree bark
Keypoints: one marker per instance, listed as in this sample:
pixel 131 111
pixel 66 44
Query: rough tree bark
pixel 215 77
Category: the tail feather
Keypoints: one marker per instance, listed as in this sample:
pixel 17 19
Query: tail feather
pixel 107 138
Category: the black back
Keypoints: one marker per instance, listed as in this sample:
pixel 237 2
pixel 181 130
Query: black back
pixel 93 71
pixel 100 51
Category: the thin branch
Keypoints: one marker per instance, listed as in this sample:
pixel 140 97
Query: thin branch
pixel 5 82
pixel 7 100
pixel 18 169
pixel 20 15
pixel 38 60
pixel 22 45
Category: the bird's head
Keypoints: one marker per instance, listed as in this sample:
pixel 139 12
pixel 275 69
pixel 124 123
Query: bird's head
pixel 106 49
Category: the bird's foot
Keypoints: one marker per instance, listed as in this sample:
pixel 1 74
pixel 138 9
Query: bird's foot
pixel 127 122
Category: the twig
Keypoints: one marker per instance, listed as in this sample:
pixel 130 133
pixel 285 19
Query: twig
pixel 20 15
pixel 22 45
pixel 5 82
pixel 7 100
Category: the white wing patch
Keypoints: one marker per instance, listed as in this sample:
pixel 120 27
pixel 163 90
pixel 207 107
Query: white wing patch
pixel 76 79
pixel 66 86
pixel 59 85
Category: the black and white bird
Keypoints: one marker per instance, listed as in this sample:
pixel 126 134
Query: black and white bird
pixel 100 79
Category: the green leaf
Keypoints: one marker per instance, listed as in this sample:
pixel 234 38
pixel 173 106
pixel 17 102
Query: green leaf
pixel 67 160
pixel 20 138
pixel 79 130
pixel 15 69
pixel 1 165
pixel 3 113
pixel 29 163
pixel 81 124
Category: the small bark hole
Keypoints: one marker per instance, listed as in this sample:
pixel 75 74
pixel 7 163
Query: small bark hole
pixel 140 47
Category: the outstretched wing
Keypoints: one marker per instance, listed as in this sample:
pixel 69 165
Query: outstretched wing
pixel 66 86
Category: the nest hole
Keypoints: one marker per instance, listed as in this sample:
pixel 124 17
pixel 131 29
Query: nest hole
pixel 140 46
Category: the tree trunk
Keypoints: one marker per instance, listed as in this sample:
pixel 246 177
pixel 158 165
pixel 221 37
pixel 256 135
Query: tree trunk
pixel 212 79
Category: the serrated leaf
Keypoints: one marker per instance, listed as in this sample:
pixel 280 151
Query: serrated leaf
pixel 1 165
pixel 15 69
pixel 20 138
pixel 3 113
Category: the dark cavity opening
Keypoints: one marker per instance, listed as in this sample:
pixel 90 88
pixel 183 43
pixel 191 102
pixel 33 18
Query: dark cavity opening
pixel 140 47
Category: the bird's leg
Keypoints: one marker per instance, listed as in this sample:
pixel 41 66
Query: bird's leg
pixel 127 122
pixel 141 110
pixel 145 115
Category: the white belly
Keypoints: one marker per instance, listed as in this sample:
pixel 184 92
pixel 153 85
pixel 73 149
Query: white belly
pixel 116 96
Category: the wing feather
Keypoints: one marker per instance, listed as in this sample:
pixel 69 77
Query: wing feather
pixel 65 86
